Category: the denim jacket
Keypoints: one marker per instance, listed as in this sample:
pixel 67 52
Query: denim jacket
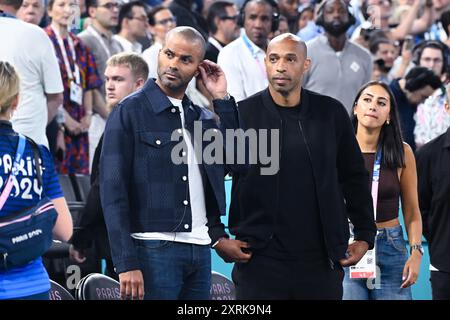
pixel 141 189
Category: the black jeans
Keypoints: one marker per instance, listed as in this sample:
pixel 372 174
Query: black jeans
pixel 440 285
pixel 265 278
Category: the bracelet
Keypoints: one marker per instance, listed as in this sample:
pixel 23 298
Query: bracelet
pixel 62 128
pixel 217 242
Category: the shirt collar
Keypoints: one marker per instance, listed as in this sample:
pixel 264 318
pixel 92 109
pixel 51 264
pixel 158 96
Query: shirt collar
pixel 6 126
pixel 323 38
pixel 158 100
pixel 4 14
pixel 246 40
pixel 103 35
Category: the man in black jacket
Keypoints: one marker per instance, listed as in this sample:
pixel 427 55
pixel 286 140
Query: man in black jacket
pixel 433 172
pixel 292 226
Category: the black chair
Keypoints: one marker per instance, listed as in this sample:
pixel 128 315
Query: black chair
pixel 222 288
pixel 96 286
pixel 58 292
pixel 82 182
pixel 58 250
pixel 73 202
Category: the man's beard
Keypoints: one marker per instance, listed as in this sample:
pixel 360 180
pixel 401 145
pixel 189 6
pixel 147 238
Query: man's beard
pixel 336 29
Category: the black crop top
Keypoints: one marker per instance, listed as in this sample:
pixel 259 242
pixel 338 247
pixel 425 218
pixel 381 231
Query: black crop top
pixel 388 190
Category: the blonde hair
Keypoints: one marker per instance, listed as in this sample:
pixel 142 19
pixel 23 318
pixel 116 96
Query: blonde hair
pixel 133 61
pixel 9 86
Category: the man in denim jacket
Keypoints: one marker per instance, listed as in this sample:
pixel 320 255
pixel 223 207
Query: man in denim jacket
pixel 162 214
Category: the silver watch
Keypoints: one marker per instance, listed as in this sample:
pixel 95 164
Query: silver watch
pixel 416 247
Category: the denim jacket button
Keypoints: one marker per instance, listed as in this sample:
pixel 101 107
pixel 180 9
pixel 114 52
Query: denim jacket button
pixel 185 202
pixel 184 178
pixel 173 110
pixel 186 226
pixel 158 142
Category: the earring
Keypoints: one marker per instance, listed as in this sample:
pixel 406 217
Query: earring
pixel 387 122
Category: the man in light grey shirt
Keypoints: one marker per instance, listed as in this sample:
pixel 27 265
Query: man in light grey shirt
pixel 339 68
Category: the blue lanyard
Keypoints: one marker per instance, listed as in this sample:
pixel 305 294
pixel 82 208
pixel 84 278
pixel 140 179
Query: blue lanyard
pixel 254 53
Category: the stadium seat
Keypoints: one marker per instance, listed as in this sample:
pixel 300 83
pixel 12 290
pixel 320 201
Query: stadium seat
pixel 222 288
pixel 58 292
pixel 96 286
pixel 83 184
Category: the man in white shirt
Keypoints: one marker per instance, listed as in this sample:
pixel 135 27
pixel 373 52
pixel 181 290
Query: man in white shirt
pixel 132 26
pixel 243 59
pixel 40 79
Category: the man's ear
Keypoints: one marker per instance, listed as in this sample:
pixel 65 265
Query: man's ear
pixel 92 11
pixel 139 83
pixel 306 64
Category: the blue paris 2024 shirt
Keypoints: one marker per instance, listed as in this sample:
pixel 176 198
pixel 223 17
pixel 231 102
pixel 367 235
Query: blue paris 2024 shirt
pixel 32 278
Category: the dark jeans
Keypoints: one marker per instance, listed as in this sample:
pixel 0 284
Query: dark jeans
pixel 265 278
pixel 175 270
pixel 440 285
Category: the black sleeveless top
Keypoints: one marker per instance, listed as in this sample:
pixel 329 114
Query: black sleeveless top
pixel 388 190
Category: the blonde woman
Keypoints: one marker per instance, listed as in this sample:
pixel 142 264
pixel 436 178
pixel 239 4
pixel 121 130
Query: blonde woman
pixel 30 281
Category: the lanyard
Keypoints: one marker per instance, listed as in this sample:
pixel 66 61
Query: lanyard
pixel 254 53
pixel 100 40
pixel 376 181
pixel 14 171
pixel 76 74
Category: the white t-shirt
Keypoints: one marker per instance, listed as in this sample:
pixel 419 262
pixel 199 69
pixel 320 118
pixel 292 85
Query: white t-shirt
pixel 127 45
pixel 199 234
pixel 28 48
pixel 242 61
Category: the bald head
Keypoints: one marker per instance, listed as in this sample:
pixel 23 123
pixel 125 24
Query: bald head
pixel 288 38
pixel 189 35
pixel 286 62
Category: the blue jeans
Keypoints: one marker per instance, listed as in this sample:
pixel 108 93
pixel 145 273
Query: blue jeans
pixel 391 256
pixel 175 270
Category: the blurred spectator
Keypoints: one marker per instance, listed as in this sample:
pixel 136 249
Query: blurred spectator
pixel 243 59
pixel 31 281
pixel 289 9
pixel 32 11
pixel 30 51
pixel 445 22
pixel 437 31
pixel 98 37
pixel 338 67
pixel 384 49
pixel 418 84
pixel 378 12
pixel 222 23
pixel 80 77
pixel 161 21
pixel 182 10
pixel 124 74
pixel 283 27
pixel 132 25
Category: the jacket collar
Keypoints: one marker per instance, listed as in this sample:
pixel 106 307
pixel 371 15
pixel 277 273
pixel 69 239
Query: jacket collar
pixel 158 100
pixel 272 107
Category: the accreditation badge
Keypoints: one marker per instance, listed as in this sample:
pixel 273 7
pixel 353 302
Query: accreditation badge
pixel 366 268
pixel 76 93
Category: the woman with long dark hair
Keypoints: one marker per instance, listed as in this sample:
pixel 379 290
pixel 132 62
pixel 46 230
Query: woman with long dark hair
pixel 392 169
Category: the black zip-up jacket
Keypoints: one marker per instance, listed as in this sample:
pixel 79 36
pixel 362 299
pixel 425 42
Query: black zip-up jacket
pixel 433 173
pixel 338 170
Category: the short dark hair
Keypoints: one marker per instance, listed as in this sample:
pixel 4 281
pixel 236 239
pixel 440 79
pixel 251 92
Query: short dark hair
pixel 420 77
pixel 153 12
pixel 216 10
pixel 190 34
pixel 16 4
pixel 374 44
pixel 126 11
pixel 91 3
pixel 445 21
pixel 390 140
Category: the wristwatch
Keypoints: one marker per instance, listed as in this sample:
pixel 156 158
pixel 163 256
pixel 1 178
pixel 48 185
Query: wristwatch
pixel 416 247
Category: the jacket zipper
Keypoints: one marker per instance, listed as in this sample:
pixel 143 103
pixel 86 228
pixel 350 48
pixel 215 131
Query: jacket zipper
pixel 320 215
